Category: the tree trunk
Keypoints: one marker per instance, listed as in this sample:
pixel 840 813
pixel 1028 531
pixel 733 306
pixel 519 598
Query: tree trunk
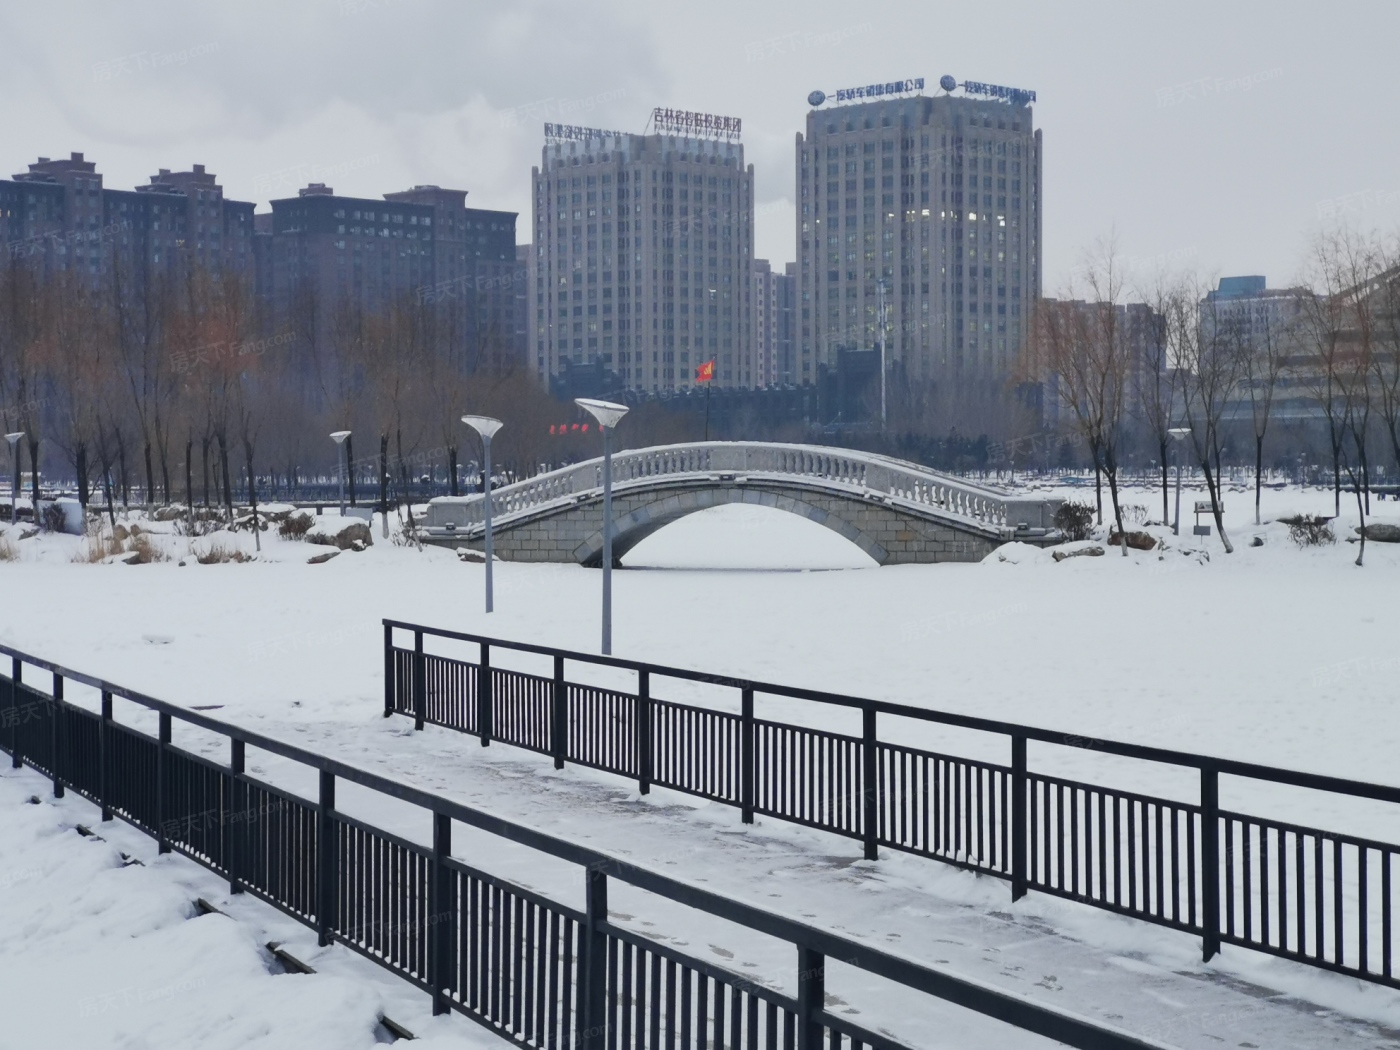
pixel 384 481
pixel 150 480
pixel 34 478
pixel 1166 483
pixel 81 467
pixel 1098 487
pixel 204 449
pixel 252 495
pixel 121 474
pixel 1258 473
pixel 227 481
pixel 452 468
pixel 1212 487
pixel 111 496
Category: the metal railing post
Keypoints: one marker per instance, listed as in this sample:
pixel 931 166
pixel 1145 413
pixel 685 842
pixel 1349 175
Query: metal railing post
pixel 442 913
pixel 1210 863
pixel 390 683
pixel 1019 875
pixel 644 732
pixel 483 697
pixel 559 733
pixel 237 817
pixel 16 676
pixel 870 785
pixel 162 787
pixel 811 997
pixel 420 682
pixel 593 988
pixel 58 737
pixel 104 761
pixel 327 908
pixel 746 756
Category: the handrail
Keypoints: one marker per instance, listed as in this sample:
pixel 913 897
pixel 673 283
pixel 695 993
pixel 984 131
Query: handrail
pixel 979 996
pixel 1166 756
pixel 868 472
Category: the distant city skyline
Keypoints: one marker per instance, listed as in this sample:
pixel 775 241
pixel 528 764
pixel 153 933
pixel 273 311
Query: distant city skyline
pixel 1218 139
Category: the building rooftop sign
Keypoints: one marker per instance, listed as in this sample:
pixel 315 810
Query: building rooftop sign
pixel 686 122
pixel 1016 96
pixel 574 133
pixel 857 94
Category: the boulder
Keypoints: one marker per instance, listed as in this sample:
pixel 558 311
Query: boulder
pixel 321 559
pixel 1138 541
pixel 1381 532
pixel 1082 552
pixel 344 535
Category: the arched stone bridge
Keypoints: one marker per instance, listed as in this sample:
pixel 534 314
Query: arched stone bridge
pixel 897 512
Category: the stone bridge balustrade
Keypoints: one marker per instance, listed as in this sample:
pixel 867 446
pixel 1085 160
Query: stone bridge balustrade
pixel 895 511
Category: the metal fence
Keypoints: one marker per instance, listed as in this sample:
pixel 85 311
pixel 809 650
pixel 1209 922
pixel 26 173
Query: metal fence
pixel 534 971
pixel 1315 896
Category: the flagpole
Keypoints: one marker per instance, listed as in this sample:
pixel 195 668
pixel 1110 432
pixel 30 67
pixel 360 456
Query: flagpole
pixel 707 411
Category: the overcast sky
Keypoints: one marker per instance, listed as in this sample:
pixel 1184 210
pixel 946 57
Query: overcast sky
pixel 1212 136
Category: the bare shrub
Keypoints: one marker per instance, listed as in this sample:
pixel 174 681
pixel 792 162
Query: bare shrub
pixel 146 550
pixel 1310 530
pixel 1075 520
pixel 54 518
pixel 218 553
pixel 1134 514
pixel 96 546
pixel 201 526
pixel 7 550
pixel 295 526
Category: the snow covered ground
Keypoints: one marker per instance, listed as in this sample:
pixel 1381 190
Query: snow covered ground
pixel 1272 654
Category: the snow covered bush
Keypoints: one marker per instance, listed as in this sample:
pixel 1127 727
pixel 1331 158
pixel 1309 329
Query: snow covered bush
pixel 1310 530
pixel 295 526
pixel 1075 520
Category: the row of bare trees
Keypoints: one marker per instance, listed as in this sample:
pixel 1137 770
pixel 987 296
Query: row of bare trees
pixel 1183 361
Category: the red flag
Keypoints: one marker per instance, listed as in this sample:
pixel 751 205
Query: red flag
pixel 704 373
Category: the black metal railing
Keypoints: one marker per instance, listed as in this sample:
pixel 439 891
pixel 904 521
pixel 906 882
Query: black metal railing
pixel 535 971
pixel 1319 897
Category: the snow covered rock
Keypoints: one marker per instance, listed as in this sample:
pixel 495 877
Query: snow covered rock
pixel 340 532
pixel 1092 551
pixel 1016 554
pixel 321 559
pixel 1381 532
pixel 1138 541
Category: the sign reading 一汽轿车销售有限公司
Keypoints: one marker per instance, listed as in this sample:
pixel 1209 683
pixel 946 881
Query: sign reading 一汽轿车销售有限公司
pixel 892 87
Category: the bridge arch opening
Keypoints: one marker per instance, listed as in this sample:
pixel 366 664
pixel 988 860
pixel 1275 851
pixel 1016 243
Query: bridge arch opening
pixel 745 536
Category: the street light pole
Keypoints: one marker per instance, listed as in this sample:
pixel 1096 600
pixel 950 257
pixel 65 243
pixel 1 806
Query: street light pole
pixel 486 426
pixel 339 438
pixel 1178 435
pixel 607 414
pixel 13 439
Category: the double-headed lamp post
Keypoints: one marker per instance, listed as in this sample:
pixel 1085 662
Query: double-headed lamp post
pixel 486 427
pixel 13 439
pixel 608 415
pixel 1178 436
pixel 339 438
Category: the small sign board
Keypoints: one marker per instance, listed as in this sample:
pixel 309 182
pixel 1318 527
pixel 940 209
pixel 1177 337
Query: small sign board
pixel 1201 530
pixel 1206 507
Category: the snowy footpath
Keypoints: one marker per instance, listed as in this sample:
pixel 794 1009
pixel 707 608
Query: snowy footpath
pixel 1274 654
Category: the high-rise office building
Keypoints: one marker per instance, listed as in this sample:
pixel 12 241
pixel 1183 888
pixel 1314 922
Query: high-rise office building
pixel 773 296
pixel 939 197
pixel 643 246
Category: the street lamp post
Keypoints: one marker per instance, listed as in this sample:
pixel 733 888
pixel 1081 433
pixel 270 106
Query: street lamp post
pixel 608 415
pixel 339 438
pixel 1178 435
pixel 486 427
pixel 881 287
pixel 13 439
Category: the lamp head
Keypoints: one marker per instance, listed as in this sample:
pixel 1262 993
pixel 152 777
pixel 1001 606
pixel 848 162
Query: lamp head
pixel 607 413
pixel 339 436
pixel 14 438
pixel 486 426
pixel 1179 432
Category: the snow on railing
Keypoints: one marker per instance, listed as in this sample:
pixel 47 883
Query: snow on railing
pixel 869 473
